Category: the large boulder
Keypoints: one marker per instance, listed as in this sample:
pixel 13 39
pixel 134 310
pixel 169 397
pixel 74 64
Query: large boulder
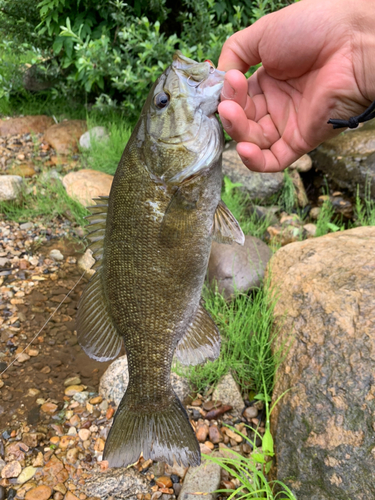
pixel 36 124
pixel 238 267
pixel 86 184
pixel 324 426
pixel 349 159
pixel 64 136
pixel 258 185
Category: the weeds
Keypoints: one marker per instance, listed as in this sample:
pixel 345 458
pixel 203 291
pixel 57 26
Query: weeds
pixel 245 325
pixel 288 197
pixel 324 224
pixel 365 210
pixel 239 203
pixel 104 155
pixel 251 472
pixel 47 198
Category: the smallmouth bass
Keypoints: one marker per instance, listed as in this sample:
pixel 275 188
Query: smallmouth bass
pixel 151 239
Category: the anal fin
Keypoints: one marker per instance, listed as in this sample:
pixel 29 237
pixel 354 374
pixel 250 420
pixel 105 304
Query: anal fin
pixel 226 229
pixel 96 333
pixel 201 341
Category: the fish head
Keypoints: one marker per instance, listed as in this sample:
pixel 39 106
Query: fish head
pixel 180 133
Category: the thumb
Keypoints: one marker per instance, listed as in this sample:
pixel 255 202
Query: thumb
pixel 241 50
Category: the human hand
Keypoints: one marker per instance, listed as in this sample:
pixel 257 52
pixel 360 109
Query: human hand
pixel 317 63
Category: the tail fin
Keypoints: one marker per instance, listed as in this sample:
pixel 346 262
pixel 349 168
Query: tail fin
pixel 162 435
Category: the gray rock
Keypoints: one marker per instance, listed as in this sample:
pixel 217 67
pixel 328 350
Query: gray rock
pixel 349 159
pixel 323 426
pixel 259 186
pixel 238 267
pixel 203 479
pixel 97 134
pixel 228 393
pixel 115 380
pixel 120 483
pixel 10 187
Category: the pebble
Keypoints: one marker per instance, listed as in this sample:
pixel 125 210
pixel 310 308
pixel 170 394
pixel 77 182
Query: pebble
pixel 41 492
pixel 215 435
pixel 73 389
pixel 84 434
pixel 49 408
pixel 55 254
pixel 26 474
pixel 72 381
pixel 201 432
pixel 96 400
pixel 164 482
pixel 12 469
pixel 210 405
pixel 2 493
pixel 250 412
pixel 21 358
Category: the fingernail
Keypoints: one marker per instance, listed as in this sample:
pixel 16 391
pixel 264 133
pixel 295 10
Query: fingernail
pixel 228 91
pixel 226 123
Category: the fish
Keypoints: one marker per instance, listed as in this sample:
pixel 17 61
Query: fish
pixel 151 239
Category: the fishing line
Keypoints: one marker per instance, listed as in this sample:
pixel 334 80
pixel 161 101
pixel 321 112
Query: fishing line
pixel 45 324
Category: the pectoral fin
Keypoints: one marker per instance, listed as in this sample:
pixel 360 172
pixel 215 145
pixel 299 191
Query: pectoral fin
pixel 225 227
pixel 96 333
pixel 178 221
pixel 201 341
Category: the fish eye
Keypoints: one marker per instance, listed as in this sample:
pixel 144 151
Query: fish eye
pixel 161 100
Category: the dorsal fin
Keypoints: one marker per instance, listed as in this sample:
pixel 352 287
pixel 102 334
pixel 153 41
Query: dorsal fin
pixel 225 227
pixel 96 228
pixel 201 341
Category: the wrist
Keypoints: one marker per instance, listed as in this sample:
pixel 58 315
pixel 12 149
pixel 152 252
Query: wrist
pixel 364 47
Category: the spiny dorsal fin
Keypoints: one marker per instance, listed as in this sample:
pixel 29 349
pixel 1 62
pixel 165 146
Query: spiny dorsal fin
pixel 201 341
pixel 225 227
pixel 96 228
pixel 96 333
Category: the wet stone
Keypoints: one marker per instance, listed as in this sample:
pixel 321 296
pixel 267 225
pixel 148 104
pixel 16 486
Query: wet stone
pixel 41 492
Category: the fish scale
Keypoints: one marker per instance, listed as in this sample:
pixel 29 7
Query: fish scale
pixel 161 216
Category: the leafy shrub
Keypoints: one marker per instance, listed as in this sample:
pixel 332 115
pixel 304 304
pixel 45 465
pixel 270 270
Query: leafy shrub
pixel 114 50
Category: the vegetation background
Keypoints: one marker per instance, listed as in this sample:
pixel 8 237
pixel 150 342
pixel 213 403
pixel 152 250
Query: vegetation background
pixel 106 53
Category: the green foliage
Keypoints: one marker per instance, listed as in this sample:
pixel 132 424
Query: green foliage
pixel 324 223
pixel 45 198
pixel 245 325
pixel 239 204
pixel 288 195
pixel 18 21
pixel 251 472
pixel 365 209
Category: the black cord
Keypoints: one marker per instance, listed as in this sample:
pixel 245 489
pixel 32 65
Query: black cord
pixel 354 121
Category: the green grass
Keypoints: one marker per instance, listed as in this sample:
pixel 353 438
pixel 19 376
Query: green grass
pixel 288 197
pixel 245 325
pixel 44 199
pixel 239 203
pixel 105 155
pixel 365 209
